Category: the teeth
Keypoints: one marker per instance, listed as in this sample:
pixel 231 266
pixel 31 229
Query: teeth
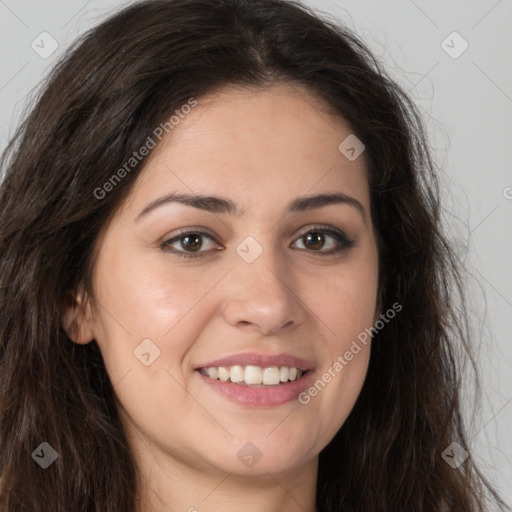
pixel 213 372
pixel 254 375
pixel 271 376
pixel 236 373
pixel 223 373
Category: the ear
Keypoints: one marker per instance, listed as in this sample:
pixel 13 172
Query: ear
pixel 77 317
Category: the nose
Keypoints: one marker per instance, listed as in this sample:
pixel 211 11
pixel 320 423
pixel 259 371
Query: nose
pixel 261 296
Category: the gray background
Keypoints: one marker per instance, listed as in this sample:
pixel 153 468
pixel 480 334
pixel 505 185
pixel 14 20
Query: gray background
pixel 467 105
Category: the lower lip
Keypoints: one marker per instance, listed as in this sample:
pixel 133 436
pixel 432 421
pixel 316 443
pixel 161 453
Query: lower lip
pixel 259 397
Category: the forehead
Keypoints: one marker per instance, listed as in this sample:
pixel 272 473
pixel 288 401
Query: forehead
pixel 259 145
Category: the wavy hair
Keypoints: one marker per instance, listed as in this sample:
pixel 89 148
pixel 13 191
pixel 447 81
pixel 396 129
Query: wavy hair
pixel 104 97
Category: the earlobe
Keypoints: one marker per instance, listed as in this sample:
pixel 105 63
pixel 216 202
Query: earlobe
pixel 77 319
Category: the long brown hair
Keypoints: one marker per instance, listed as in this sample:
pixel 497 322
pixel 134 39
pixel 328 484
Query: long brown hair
pixel 99 105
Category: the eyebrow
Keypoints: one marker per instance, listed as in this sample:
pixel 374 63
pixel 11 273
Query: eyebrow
pixel 223 205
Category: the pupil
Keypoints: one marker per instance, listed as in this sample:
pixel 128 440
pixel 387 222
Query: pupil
pixel 315 240
pixel 192 242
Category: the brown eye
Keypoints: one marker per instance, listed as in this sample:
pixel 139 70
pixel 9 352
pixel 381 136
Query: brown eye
pixel 314 240
pixel 191 242
pixel 325 241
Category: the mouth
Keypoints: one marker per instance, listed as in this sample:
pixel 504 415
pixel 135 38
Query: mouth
pixel 256 380
pixel 254 376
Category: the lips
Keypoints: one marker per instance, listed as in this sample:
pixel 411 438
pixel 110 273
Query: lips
pixel 261 360
pixel 257 380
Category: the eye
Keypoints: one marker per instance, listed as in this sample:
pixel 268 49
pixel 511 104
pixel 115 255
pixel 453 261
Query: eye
pixel 194 243
pixel 319 239
pixel 189 244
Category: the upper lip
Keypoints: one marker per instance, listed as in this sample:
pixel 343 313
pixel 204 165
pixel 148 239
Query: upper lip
pixel 263 360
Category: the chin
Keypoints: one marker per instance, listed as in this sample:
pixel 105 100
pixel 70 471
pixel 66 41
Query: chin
pixel 259 456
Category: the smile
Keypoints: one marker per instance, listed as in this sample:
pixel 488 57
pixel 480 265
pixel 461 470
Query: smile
pixel 254 376
pixel 257 380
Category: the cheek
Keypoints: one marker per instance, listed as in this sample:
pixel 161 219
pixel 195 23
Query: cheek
pixel 345 308
pixel 147 297
pixel 148 320
pixel 147 325
pixel 346 302
pixel 335 390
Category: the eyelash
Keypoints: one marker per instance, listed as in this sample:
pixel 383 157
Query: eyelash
pixel 343 240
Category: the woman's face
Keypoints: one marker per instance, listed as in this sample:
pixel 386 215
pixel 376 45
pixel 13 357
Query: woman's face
pixel 264 263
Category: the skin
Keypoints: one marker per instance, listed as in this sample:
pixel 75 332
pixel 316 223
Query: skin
pixel 261 149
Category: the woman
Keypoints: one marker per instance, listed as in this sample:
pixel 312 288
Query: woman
pixel 223 281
